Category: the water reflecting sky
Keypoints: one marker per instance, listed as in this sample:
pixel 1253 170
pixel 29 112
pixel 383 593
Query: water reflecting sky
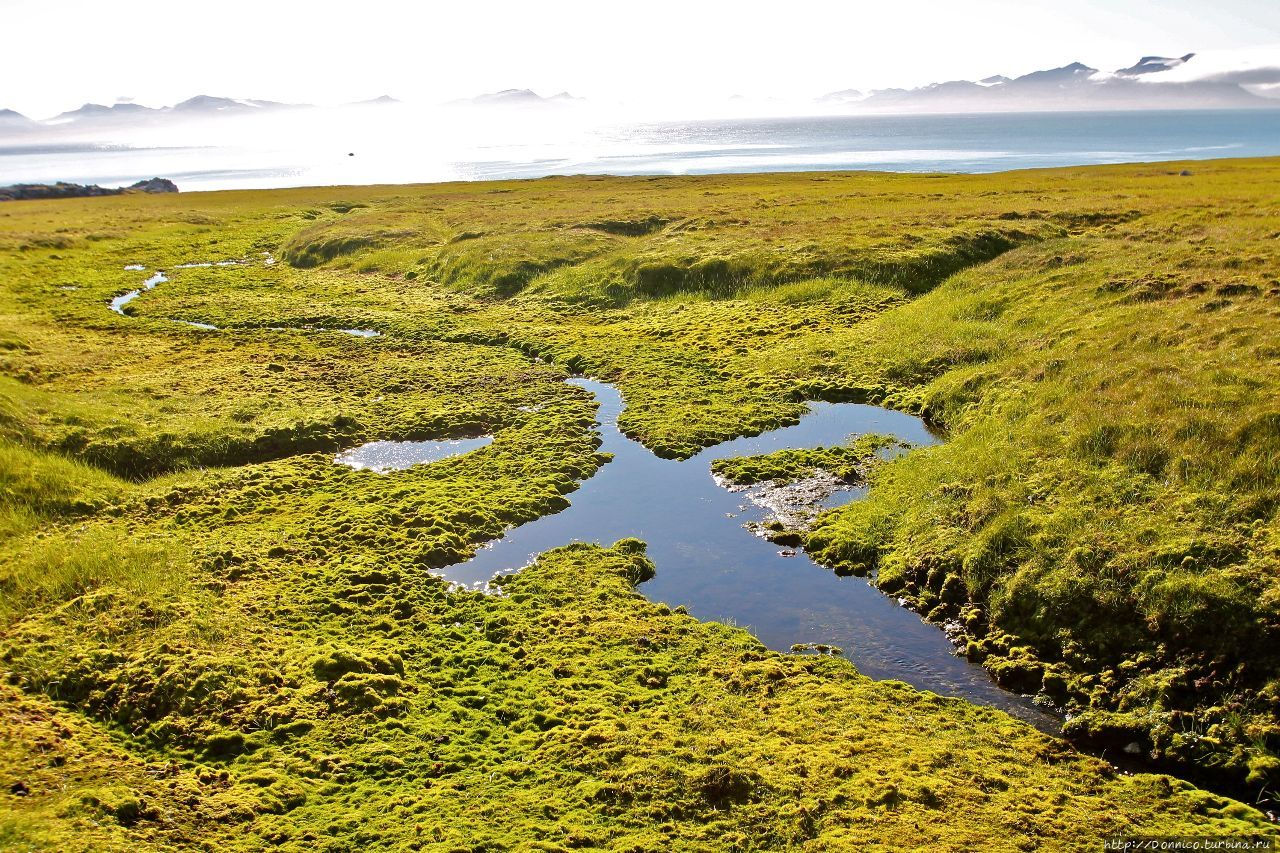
pixel 720 571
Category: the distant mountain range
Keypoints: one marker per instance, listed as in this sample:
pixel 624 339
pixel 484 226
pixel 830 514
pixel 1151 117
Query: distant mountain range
pixel 1143 85
pixel 1072 87
pixel 200 105
pixel 91 118
pixel 516 98
pixel 94 117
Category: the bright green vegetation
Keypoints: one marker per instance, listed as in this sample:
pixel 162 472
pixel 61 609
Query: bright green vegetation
pixel 849 462
pixel 212 637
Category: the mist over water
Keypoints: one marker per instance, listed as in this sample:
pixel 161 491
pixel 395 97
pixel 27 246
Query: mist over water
pixel 401 144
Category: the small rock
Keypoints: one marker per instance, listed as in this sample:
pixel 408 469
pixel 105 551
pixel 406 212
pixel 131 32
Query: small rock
pixel 19 789
pixel 1185 173
pixel 155 185
pixel 1133 749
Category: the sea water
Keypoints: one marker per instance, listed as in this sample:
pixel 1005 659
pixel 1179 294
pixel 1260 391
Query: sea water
pixel 399 147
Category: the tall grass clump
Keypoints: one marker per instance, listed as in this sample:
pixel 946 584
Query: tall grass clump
pixel 62 566
pixel 48 485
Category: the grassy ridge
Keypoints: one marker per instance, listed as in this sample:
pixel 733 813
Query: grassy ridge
pixel 1109 496
pixel 214 636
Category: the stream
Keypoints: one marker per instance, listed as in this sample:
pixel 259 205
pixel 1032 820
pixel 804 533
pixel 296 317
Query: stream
pixel 709 562
pixel 706 559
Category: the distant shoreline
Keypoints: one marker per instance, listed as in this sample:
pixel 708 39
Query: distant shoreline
pixel 62 189
pixel 368 155
pixel 1182 168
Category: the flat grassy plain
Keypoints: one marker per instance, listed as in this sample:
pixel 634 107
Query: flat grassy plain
pixel 212 637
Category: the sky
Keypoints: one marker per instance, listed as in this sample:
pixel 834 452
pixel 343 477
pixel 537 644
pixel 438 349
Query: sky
pixel 59 54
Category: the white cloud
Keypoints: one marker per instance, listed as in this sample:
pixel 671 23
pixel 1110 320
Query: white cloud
pixel 1253 65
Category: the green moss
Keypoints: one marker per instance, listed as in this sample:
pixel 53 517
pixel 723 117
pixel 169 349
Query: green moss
pixel 849 463
pixel 214 637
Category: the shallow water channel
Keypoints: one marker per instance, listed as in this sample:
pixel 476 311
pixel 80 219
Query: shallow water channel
pixel 118 303
pixel 707 561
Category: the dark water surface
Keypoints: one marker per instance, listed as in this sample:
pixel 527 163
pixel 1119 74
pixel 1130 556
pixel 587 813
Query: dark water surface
pixel 720 571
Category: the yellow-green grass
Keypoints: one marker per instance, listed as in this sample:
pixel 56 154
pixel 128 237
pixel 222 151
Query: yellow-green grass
pixel 230 642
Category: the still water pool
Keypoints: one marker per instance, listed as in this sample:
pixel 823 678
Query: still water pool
pixel 707 561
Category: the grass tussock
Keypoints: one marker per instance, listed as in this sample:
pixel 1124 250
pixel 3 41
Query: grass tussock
pixel 849 462
pixel 57 569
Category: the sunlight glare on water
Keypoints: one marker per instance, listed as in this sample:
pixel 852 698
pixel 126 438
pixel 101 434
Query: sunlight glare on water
pixel 402 144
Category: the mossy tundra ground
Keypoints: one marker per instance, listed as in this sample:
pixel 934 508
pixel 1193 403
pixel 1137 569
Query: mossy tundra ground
pixel 213 638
